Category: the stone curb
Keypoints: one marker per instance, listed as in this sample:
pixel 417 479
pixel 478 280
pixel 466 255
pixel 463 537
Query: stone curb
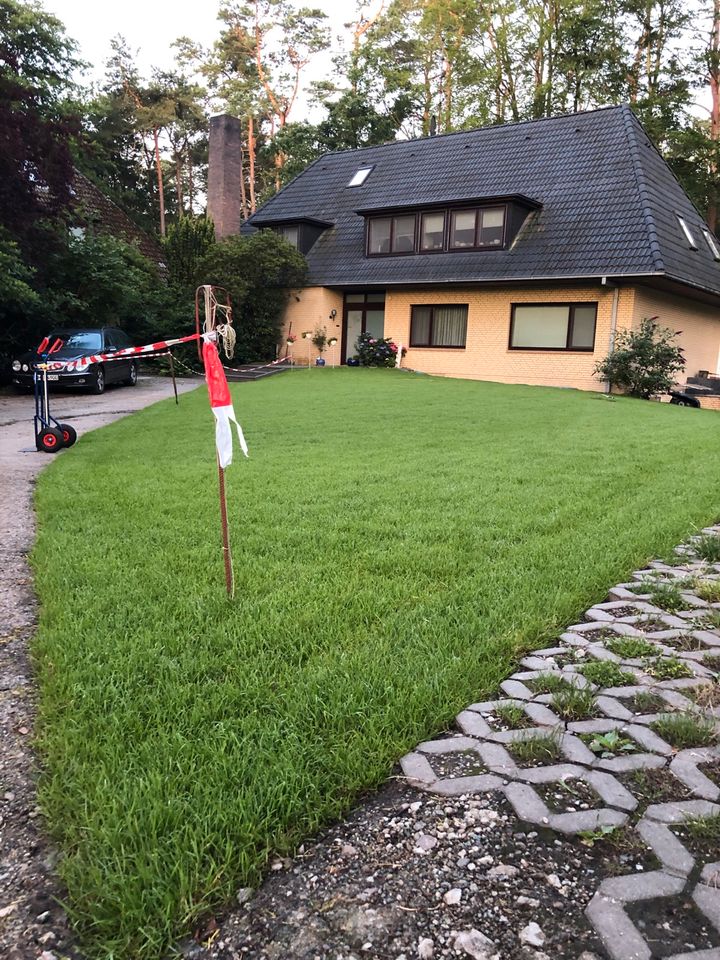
pixel 685 767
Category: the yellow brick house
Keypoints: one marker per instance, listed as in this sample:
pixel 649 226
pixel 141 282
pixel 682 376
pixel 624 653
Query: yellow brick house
pixel 509 253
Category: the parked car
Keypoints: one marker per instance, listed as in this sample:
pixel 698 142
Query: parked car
pixel 70 344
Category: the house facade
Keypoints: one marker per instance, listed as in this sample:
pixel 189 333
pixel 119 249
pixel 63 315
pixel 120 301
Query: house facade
pixel 510 253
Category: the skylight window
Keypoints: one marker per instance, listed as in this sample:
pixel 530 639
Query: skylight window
pixel 688 234
pixel 360 177
pixel 712 243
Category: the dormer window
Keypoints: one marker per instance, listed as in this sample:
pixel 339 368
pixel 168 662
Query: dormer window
pixel 712 243
pixel 474 228
pixel 360 177
pixel 289 232
pixel 688 234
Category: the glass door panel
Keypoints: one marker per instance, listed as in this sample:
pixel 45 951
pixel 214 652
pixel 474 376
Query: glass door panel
pixel 375 323
pixel 353 331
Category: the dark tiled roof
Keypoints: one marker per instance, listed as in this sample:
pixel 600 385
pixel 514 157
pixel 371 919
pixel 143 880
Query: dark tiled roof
pixel 608 204
pixel 94 207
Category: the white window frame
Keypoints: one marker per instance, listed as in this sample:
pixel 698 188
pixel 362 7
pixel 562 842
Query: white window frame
pixel 686 230
pixel 712 243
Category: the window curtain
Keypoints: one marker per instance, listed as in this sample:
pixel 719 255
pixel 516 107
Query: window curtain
pixel 449 326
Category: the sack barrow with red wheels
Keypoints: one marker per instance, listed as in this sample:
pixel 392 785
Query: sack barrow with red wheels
pixel 50 436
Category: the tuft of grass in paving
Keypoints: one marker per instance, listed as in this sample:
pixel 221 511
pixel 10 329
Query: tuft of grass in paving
pixel 683 730
pixel 540 749
pixel 398 541
pixel 574 703
pixel 708 548
pixel 631 648
pixel 549 683
pixel 708 590
pixel 667 668
pixel 667 596
pixel 704 829
pixel 648 702
pixel 606 673
pixel 512 715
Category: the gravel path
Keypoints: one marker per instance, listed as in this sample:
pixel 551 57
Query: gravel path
pixel 31 922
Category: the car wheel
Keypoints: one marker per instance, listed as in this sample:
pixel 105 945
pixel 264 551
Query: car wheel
pixel 98 384
pixel 69 434
pixel 49 440
pixel 132 378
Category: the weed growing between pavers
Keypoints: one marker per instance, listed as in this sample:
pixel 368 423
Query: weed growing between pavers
pixel 654 786
pixel 534 751
pixel 549 683
pixel 621 849
pixel 685 643
pixel 647 702
pixel 708 548
pixel 711 771
pixel 631 648
pixel 667 596
pixel 512 717
pixel 708 590
pixel 574 704
pixel 610 744
pixel 606 673
pixel 705 695
pixel 683 730
pixel 700 834
pixel 390 566
pixel 667 668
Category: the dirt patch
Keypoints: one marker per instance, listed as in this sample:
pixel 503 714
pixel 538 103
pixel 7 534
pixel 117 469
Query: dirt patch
pixel 672 926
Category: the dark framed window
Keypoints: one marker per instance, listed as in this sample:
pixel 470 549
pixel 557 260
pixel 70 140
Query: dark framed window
pixel 474 229
pixel 438 325
pixel 432 231
pixel 391 235
pixel 553 326
pixel 290 232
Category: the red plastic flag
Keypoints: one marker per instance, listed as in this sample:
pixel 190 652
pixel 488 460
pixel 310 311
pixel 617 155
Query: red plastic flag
pixel 221 404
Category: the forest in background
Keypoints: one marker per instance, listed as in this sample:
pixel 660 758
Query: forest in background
pixel 401 69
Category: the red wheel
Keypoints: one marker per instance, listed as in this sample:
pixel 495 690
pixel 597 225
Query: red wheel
pixel 69 434
pixel 50 440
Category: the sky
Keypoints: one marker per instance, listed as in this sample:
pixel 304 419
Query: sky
pixel 150 26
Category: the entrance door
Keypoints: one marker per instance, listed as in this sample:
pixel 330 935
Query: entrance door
pixel 364 313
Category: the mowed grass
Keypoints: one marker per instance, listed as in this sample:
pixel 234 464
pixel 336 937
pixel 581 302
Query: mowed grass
pixel 398 541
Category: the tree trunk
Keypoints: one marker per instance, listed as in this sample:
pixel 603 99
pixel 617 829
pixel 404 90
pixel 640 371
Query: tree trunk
pixel 161 186
pixel 179 184
pixel 714 77
pixel 251 163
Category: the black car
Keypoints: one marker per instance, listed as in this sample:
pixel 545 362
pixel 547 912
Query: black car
pixel 70 344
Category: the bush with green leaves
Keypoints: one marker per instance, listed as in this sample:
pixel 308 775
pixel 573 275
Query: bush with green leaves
pixel 258 271
pixel 644 361
pixel 375 351
pixel 184 245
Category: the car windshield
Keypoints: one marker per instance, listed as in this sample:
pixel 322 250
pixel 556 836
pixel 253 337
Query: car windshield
pixel 77 341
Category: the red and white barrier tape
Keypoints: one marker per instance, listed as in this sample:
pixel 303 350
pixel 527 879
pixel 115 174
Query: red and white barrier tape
pixel 82 362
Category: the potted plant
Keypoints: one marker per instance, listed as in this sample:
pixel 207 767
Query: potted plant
pixel 320 340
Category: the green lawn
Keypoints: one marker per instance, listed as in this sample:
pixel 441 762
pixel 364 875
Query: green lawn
pixel 398 541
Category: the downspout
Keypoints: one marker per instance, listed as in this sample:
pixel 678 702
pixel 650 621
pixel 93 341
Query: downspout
pixel 613 321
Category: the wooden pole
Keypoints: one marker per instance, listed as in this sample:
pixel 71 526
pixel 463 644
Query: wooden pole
pixel 227 556
pixel 172 374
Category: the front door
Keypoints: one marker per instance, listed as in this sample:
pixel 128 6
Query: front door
pixel 364 313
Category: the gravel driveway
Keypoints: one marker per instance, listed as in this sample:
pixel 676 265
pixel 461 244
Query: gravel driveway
pixel 31 923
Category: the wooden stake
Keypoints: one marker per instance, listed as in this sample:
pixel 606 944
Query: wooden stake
pixel 172 373
pixel 227 556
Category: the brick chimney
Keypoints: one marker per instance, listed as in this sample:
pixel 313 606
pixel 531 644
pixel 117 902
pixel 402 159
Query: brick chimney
pixel 224 173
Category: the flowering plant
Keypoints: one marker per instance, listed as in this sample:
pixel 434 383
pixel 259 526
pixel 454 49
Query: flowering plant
pixel 291 338
pixel 375 351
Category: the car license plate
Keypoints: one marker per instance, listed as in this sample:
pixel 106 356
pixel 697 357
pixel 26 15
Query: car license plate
pixel 53 376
